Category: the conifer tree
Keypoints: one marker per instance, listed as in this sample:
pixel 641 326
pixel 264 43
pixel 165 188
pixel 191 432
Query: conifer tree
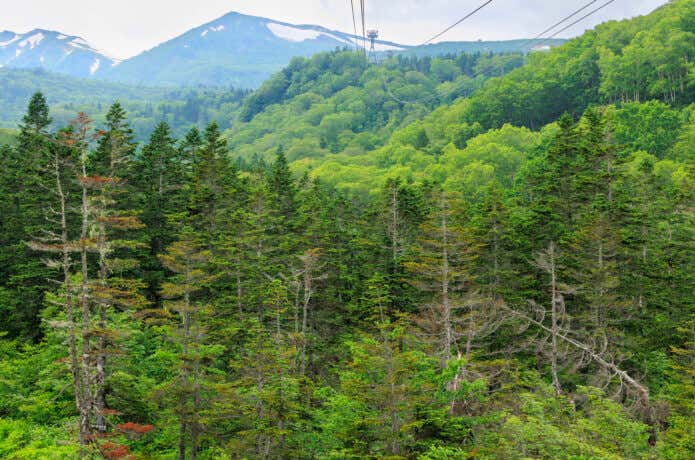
pixel 265 398
pixel 190 143
pixel 117 135
pixel 159 178
pixel 82 132
pixel 550 187
pixel 441 265
pixel 57 239
pixel 188 260
pixel 282 186
pixel 214 184
pixel 23 182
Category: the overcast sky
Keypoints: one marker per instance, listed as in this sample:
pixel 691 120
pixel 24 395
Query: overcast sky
pixel 123 28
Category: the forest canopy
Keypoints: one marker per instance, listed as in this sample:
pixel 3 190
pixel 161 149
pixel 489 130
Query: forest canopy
pixel 469 256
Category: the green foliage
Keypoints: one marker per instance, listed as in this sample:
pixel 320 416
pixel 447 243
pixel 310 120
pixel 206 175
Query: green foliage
pixel 8 136
pixel 24 441
pixel 506 275
pixel 336 102
pixel 549 428
pixel 181 108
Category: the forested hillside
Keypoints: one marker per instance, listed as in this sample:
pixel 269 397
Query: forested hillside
pixel 337 102
pixel 180 108
pixel 466 257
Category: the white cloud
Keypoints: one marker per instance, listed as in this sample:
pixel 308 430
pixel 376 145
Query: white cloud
pixel 128 27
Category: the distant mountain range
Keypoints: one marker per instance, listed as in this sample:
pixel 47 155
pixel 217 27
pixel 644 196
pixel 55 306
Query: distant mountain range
pixel 53 51
pixel 234 50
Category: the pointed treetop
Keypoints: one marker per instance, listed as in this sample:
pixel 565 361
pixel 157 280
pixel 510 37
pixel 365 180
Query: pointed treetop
pixel 161 133
pixel 192 138
pixel 116 117
pixel 37 118
pixel 214 144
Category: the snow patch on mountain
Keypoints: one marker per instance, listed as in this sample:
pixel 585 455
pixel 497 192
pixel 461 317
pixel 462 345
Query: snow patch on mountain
pixel 95 66
pixel 219 28
pixel 10 41
pixel 32 41
pixel 292 34
pixel 52 50
pixel 80 43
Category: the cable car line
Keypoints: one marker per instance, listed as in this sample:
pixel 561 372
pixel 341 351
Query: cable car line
pixel 526 43
pixel 354 24
pixel 435 94
pixel 591 13
pixel 457 23
pixel 364 27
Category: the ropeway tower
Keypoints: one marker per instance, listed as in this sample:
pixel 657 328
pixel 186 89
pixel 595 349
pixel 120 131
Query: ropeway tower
pixel 372 34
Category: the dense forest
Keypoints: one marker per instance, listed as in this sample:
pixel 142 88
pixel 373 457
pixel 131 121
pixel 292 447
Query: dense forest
pixel 180 108
pixel 475 256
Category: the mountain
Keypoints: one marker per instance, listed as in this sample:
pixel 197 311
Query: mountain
pixel 235 49
pixel 53 51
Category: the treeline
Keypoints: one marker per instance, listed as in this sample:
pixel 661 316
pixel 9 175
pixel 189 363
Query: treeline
pixel 180 108
pixel 170 302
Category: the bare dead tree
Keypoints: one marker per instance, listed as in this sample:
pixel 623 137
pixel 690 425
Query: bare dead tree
pixel 310 274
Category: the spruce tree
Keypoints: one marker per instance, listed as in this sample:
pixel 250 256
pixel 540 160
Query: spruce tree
pixel 117 134
pixel 188 260
pixel 159 176
pixel 23 182
pixel 213 184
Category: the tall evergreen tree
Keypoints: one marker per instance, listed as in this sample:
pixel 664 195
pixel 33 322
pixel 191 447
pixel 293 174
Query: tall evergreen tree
pixel 159 177
pixel 213 184
pixel 117 134
pixel 187 260
pixel 23 182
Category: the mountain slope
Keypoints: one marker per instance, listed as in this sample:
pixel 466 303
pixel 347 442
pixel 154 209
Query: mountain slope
pixel 235 49
pixel 146 106
pixel 339 123
pixel 53 51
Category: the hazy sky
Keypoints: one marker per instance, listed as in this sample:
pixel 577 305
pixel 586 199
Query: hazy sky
pixel 123 28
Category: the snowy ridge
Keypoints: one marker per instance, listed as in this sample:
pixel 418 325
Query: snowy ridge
pixel 12 40
pixel 292 34
pixel 52 51
pixel 32 40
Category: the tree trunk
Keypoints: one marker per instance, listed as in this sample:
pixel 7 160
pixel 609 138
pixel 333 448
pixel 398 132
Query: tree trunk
pixel 305 317
pixel 67 285
pixel 554 328
pixel 86 403
pixel 642 391
pixel 100 373
pixel 394 224
pixel 183 413
pixel 446 306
